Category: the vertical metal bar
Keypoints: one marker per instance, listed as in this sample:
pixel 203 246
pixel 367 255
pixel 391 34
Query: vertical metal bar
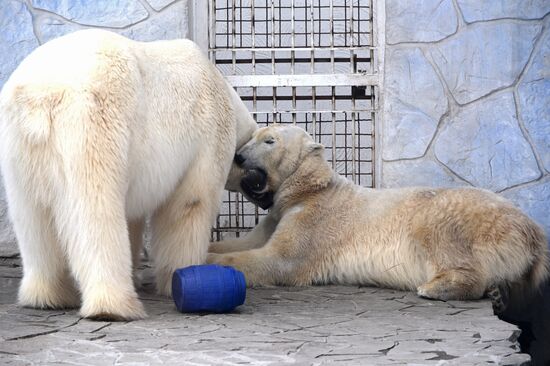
pixel 333 89
pixel 353 70
pixel 243 214
pixel 273 29
pixel 359 23
pixel 234 70
pixel 305 23
pixel 253 30
pixel 227 24
pixel 274 118
pixel 229 210
pixel 212 30
pixel 312 33
pixel 241 23
pixel 292 57
pixel 218 232
pixel 293 36
pixel 373 136
pixel 266 20
pixel 280 23
pixel 255 109
pixel 346 26
pixel 233 37
pixel 274 91
pixel 332 36
pixel 373 41
pixel 312 70
pixel 373 102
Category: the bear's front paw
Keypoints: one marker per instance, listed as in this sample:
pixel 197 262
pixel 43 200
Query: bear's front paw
pixel 221 259
pixel 217 248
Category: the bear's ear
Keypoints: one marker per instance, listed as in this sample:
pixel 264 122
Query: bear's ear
pixel 313 147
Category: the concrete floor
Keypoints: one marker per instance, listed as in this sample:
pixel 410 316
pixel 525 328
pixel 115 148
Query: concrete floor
pixel 304 326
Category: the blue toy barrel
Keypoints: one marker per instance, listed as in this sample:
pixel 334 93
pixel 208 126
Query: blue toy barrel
pixel 208 288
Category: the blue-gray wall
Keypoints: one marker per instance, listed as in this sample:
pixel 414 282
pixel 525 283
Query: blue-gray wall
pixel 467 97
pixel 466 84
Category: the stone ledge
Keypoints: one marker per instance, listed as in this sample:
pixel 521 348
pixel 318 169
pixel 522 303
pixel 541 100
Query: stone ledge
pixel 312 325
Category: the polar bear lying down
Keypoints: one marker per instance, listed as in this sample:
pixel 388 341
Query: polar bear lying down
pixel 96 132
pixel 443 243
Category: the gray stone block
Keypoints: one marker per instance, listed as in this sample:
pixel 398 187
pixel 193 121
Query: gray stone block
pixel 417 172
pixel 17 39
pixel 49 28
pixel 475 10
pixel 414 102
pixel 534 99
pixel 106 13
pixel 165 25
pixel 407 131
pixel 484 57
pixel 160 4
pixel 483 144
pixel 419 21
pixel 169 24
pixel 534 199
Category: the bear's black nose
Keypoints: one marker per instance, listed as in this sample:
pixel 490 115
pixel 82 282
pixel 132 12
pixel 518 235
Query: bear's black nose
pixel 239 159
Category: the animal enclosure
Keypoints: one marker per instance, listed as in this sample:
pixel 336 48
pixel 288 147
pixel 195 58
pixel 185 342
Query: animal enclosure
pixel 312 63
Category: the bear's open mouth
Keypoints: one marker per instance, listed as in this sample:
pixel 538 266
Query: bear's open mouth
pixel 254 185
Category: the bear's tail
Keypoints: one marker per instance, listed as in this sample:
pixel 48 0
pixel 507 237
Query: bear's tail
pixel 519 293
pixel 539 273
pixel 32 109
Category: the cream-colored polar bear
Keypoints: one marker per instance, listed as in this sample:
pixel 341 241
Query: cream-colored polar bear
pixel 96 132
pixel 322 228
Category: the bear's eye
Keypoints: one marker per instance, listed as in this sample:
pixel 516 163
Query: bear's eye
pixel 270 141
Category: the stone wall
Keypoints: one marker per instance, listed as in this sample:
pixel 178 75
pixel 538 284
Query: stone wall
pixel 466 98
pixel 25 25
pixel 466 84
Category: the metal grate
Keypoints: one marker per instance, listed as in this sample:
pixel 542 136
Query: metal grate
pixel 307 62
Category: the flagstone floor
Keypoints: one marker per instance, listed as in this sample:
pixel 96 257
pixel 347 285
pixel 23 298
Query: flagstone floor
pixel 275 326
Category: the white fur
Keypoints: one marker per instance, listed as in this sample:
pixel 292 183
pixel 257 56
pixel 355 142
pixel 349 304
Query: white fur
pixel 96 130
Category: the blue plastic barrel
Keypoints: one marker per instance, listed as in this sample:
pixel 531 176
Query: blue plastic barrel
pixel 208 288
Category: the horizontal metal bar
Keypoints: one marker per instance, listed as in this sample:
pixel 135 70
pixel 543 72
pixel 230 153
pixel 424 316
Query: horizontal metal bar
pixel 318 111
pixel 287 60
pixel 304 97
pixel 234 229
pixel 309 48
pixel 302 80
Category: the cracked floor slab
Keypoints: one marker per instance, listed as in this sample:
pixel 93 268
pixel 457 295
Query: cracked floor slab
pixel 276 326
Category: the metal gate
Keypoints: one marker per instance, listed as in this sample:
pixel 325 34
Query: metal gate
pixel 307 62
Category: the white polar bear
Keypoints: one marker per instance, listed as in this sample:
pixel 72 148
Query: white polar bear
pixel 98 131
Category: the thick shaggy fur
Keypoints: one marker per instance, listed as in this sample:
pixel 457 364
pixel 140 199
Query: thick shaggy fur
pixel 443 243
pixel 96 132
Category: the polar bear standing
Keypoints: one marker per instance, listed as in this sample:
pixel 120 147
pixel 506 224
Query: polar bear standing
pixel 96 132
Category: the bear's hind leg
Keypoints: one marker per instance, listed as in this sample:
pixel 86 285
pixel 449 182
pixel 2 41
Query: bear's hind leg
pixel 454 284
pixel 46 281
pixel 98 246
pixel 91 215
pixel 181 227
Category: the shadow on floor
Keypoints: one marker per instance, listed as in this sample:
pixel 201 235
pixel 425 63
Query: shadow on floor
pixel 534 321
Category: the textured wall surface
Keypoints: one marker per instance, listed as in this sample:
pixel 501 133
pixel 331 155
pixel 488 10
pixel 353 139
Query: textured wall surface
pixel 467 98
pixel 25 25
pixel 466 95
